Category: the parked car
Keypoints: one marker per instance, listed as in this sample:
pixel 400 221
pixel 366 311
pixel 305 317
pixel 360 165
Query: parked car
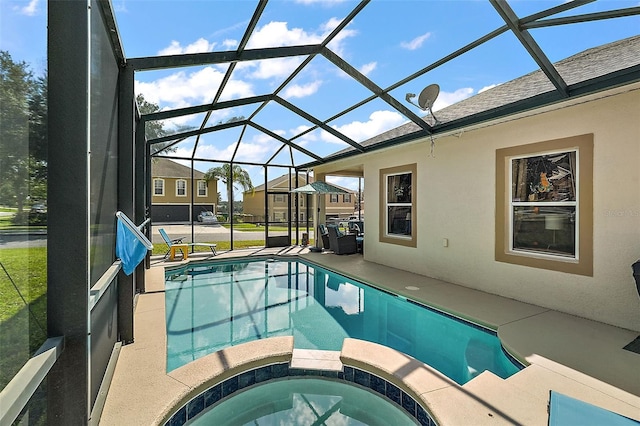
pixel 345 222
pixel 207 217
pixel 38 208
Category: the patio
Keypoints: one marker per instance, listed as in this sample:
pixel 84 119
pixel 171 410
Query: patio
pixel 581 358
pixel 441 185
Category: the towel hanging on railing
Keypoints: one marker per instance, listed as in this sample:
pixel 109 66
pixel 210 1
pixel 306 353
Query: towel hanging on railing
pixel 131 243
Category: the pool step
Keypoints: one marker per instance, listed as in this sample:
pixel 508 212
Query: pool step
pixel 311 359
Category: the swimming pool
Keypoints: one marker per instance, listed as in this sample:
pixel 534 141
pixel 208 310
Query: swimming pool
pixel 305 401
pixel 211 306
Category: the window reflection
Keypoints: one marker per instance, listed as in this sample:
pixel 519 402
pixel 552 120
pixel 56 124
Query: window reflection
pixel 543 198
pixel 23 202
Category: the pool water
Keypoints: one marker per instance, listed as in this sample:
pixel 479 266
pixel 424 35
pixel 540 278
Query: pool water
pixel 304 402
pixel 213 306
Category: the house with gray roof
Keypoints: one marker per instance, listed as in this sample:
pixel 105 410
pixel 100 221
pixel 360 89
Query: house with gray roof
pixel 174 189
pixel 518 191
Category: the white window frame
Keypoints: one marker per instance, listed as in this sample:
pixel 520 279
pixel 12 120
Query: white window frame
pixel 346 198
pixel 582 262
pixel 206 189
pixel 161 181
pixel 405 239
pixel 178 182
pixel 537 204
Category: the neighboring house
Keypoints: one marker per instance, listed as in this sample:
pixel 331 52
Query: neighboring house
pixel 542 207
pixel 171 192
pixel 337 205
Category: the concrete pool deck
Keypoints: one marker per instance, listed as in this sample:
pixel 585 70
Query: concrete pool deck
pixel 580 358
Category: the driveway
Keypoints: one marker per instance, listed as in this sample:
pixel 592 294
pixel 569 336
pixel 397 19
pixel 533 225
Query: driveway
pixel 212 233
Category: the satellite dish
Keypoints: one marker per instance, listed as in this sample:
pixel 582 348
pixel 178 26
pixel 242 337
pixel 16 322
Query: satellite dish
pixel 426 99
pixel 428 96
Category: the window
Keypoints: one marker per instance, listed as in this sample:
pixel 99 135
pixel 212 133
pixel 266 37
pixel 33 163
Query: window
pixel 278 198
pixel 158 187
pixel 544 196
pixel 346 198
pixel 397 204
pixel 333 198
pixel 181 188
pixel 202 188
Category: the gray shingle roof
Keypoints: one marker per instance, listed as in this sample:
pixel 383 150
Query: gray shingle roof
pixel 165 168
pixel 283 181
pixel 586 65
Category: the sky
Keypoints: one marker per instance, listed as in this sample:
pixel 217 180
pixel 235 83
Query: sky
pixel 387 42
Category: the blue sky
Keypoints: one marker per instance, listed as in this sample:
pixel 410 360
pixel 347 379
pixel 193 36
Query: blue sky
pixel 388 41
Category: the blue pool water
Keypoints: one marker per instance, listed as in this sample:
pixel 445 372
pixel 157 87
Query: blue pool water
pixel 213 306
pixel 305 402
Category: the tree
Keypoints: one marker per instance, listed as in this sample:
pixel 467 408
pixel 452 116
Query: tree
pixel 23 134
pixel 230 176
pixel 153 129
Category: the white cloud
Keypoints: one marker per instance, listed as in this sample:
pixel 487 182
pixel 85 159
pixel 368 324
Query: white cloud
pixel 199 46
pixel 416 42
pixel 485 88
pixel 184 89
pixel 208 151
pixel 296 131
pixel 449 98
pixel 337 44
pixel 230 43
pixel 276 34
pixel 366 69
pixel 379 122
pixel 259 148
pixel 29 10
pixel 298 91
pixel 270 68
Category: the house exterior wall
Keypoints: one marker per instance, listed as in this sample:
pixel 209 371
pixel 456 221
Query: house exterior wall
pixel 253 203
pixel 170 193
pixel 457 195
pixel 170 207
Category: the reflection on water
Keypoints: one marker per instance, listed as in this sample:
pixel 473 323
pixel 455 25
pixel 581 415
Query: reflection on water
pixel 213 306
pixel 304 402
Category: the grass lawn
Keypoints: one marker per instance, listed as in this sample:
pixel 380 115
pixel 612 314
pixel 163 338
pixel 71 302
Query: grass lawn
pixel 22 327
pixel 253 227
pixel 6 222
pixel 221 246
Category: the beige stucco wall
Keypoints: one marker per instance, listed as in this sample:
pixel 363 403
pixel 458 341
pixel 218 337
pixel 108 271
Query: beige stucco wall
pixel 254 204
pixel 170 196
pixel 456 200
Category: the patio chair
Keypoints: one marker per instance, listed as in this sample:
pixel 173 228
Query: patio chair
pixel 342 243
pixel 178 241
pixel 324 233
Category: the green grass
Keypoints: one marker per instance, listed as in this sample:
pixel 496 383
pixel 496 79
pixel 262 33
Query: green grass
pixel 253 227
pixel 27 268
pixel 20 333
pixel 6 224
pixel 221 246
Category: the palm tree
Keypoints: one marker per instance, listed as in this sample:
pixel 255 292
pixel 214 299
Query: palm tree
pixel 230 176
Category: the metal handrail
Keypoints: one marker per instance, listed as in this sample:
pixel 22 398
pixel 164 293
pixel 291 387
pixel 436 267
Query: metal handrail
pixel 15 396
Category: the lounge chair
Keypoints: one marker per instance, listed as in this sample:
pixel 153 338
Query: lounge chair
pixel 324 233
pixel 342 243
pixel 171 242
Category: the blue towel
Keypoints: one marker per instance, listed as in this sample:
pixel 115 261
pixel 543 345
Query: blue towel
pixel 129 248
pixel 567 411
